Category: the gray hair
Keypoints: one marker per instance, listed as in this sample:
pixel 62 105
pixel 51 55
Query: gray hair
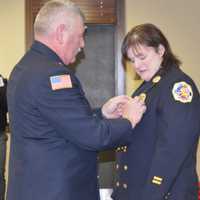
pixel 54 12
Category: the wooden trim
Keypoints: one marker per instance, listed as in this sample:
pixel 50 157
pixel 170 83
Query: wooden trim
pixel 95 11
pixel 119 35
pixel 28 24
pixel 98 11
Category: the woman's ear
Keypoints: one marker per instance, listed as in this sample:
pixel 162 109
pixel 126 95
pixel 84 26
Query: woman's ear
pixel 161 50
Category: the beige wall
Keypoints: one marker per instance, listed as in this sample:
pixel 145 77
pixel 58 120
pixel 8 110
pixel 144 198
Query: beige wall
pixel 12 38
pixel 12 34
pixel 179 20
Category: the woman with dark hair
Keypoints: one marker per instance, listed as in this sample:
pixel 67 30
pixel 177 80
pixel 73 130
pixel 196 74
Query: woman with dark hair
pixel 160 163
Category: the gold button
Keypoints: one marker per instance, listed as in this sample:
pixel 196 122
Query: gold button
pixel 156 79
pixel 125 167
pixel 117 184
pixel 125 186
pixel 118 149
pixel 167 195
pixel 117 166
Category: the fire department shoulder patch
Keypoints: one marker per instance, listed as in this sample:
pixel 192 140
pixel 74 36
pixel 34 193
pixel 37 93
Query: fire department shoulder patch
pixel 182 92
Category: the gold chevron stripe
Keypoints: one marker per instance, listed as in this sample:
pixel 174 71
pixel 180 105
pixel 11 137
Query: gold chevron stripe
pixel 157 178
pixel 156 182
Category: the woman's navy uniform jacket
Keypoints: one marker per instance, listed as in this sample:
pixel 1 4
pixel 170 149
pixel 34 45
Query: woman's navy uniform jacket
pixel 55 135
pixel 160 163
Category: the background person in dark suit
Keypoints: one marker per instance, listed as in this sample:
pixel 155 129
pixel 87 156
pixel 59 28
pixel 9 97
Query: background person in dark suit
pixel 55 135
pixel 3 123
pixel 160 163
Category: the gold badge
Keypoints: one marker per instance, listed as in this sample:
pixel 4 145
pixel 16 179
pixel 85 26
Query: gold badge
pixel 156 79
pixel 182 92
pixel 142 96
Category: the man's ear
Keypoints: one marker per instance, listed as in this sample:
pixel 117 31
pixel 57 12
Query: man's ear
pixel 60 33
pixel 161 50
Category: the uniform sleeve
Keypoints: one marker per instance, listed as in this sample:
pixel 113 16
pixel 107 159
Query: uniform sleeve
pixel 177 134
pixel 69 113
pixel 97 112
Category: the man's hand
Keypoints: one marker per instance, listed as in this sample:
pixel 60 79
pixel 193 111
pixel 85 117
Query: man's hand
pixel 133 110
pixel 113 108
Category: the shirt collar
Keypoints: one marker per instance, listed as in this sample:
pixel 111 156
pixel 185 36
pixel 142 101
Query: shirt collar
pixel 46 51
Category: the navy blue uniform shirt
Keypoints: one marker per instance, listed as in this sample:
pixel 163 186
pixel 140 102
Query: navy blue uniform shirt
pixel 160 163
pixel 55 135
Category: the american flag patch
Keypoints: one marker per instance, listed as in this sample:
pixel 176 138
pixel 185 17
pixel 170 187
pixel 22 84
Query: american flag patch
pixel 60 82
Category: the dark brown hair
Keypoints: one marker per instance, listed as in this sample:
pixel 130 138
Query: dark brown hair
pixel 149 35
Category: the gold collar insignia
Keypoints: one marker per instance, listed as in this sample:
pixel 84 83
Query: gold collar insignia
pixel 156 79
